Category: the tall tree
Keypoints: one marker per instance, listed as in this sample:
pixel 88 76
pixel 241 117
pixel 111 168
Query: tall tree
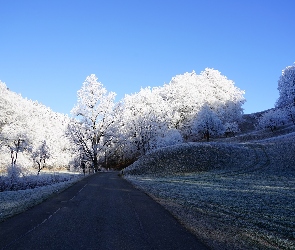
pixel 93 113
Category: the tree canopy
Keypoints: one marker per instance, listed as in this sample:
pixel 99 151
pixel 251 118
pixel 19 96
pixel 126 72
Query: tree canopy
pixel 102 131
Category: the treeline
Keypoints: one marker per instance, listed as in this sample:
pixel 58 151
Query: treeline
pixel 32 135
pixel 102 133
pixel 188 108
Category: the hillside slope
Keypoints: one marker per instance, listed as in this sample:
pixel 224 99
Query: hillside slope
pixel 228 154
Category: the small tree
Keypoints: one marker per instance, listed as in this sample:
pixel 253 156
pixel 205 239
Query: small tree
pixel 16 143
pixel 272 119
pixel 40 155
pixel 231 128
pixel 207 123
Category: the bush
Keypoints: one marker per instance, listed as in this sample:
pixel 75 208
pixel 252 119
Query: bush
pixel 19 179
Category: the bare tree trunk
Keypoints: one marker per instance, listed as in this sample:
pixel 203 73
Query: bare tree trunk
pixel 95 163
pixel 207 135
pixel 39 167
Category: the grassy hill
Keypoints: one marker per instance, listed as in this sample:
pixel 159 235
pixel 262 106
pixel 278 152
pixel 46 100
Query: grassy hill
pixel 233 193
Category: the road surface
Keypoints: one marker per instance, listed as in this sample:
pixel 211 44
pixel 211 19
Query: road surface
pixel 103 211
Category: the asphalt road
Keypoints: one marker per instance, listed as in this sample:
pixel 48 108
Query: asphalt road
pixel 103 211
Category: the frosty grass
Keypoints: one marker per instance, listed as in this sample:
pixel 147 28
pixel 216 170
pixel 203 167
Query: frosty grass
pixel 249 205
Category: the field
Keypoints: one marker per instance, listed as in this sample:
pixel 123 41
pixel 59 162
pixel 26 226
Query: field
pixel 241 195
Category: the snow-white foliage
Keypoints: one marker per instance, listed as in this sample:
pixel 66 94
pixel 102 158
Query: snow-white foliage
pixel 186 94
pixel 94 102
pixel 94 111
pixel 272 119
pixel 171 137
pixel 24 127
pixel 286 87
pixel 290 113
pixel 144 121
pixel 143 118
pixel 231 128
pixel 207 123
pixel 41 154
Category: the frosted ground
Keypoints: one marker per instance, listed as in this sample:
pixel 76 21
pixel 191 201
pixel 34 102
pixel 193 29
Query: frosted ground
pixel 235 193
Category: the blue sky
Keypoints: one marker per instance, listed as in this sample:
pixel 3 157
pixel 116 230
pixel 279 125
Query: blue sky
pixel 48 48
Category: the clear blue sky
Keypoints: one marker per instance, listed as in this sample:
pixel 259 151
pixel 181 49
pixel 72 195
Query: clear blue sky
pixel 48 48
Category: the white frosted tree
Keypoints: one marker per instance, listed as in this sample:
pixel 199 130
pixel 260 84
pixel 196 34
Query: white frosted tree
pixel 40 155
pixel 93 113
pixel 15 135
pixel 145 118
pixel 272 119
pixel 25 125
pixel 286 87
pixel 231 128
pixel 169 138
pixel 221 94
pixel 186 95
pixel 207 123
pixel 181 95
pixel 290 113
pixel 162 116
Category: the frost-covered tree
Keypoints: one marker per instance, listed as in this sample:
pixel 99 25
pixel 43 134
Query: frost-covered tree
pixel 231 128
pixel 25 125
pixel 207 123
pixel 15 134
pixel 6 110
pixel 221 94
pixel 18 144
pixel 40 155
pixel 290 113
pixel 94 117
pixel 272 119
pixel 170 138
pixel 286 87
pixel 162 116
pixel 144 117
pixel 186 95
